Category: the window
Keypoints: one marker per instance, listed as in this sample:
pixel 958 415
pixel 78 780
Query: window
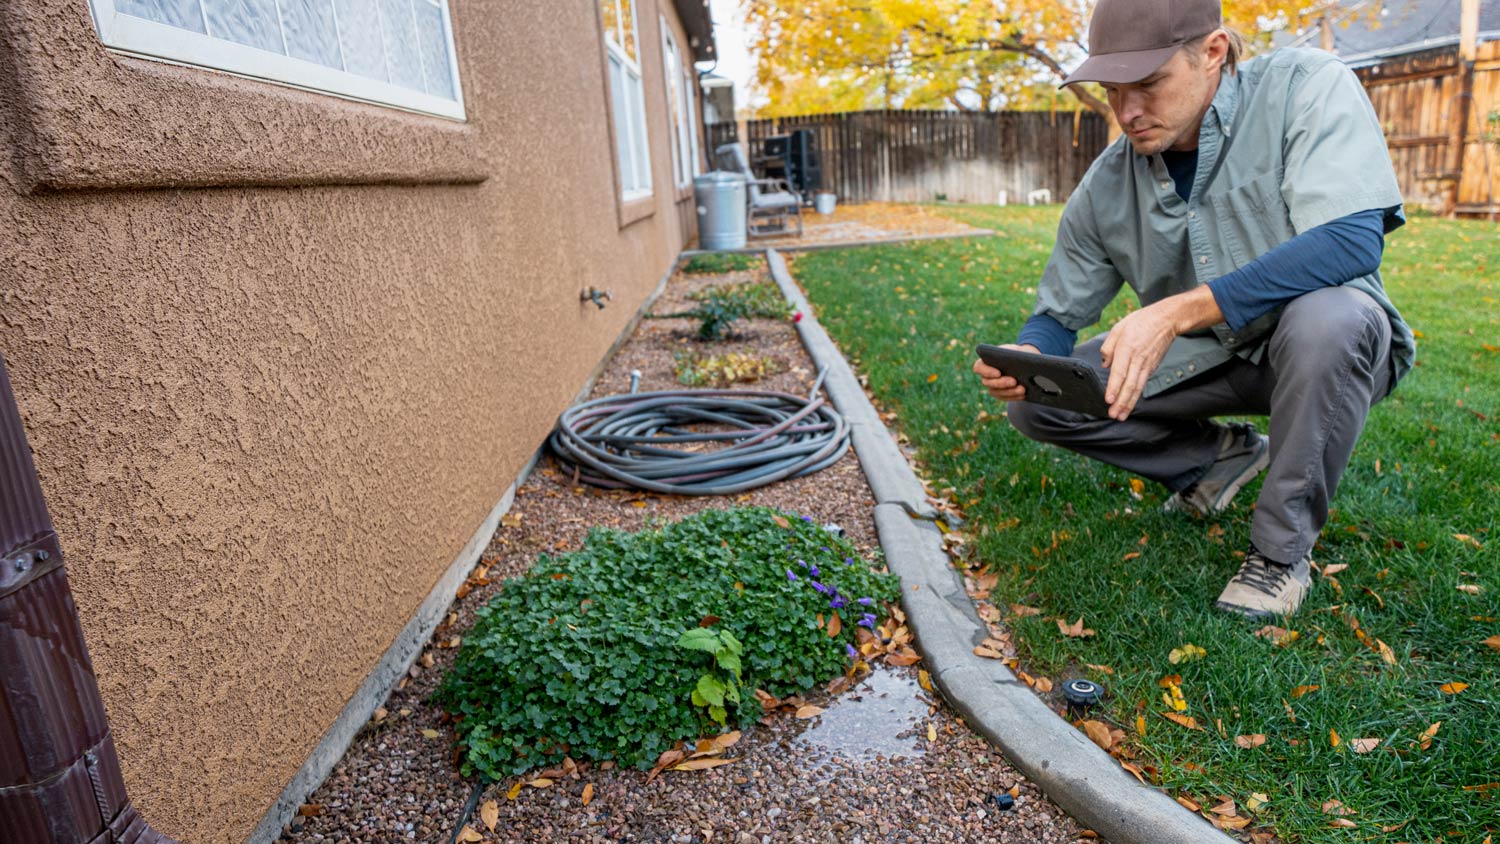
pixel 627 98
pixel 684 108
pixel 393 52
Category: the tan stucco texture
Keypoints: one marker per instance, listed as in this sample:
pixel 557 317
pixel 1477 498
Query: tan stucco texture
pixel 279 354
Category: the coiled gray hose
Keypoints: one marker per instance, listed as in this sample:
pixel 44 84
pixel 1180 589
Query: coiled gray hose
pixel 628 441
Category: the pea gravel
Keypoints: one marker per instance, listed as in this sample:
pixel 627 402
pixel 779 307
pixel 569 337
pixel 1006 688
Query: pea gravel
pixel 399 781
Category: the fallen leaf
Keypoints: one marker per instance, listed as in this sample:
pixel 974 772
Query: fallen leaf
pixel 1303 690
pixel 1190 804
pixel 1105 669
pixel 1255 801
pixel 1225 809
pixel 489 814
pixel 1334 568
pixel 1140 724
pixel 1137 488
pixel 469 835
pixel 1429 734
pixel 431 733
pixel 1277 635
pixel 988 653
pixel 835 625
pixel 1130 556
pixel 1470 588
pixel 931 378
pixel 1023 610
pixel 1075 630
pixel 1343 823
pixel 1364 745
pixel 1493 642
pixel 1135 771
pixel 1098 733
pixel 1183 720
pixel 809 711
pixel 1043 685
pixel 310 810
pixel 1452 688
pixel 380 714
pixel 1289 713
pixel 1169 681
pixel 1186 653
pixel 1230 823
pixel 1394 827
pixel 1333 738
pixel 515 791
pixel 1336 807
pixel 588 794
pixel 1250 741
pixel 541 782
pixel 1467 539
pixel 780 522
pixel 931 733
pixel 924 680
pixel 701 764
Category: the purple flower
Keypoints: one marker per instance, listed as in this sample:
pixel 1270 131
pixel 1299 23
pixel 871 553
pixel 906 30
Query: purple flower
pixel 867 620
pixel 837 603
pixel 848 561
pixel 789 575
pixel 820 587
pixel 814 570
pixel 802 564
pixel 825 549
pixel 849 649
pixel 867 601
pixel 807 518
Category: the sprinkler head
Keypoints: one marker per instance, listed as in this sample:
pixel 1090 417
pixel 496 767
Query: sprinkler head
pixel 834 529
pixel 1082 694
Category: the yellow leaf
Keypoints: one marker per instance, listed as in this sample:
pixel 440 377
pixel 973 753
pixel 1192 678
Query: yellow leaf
pixel 1303 690
pixel 1256 800
pixel 1452 688
pixel 515 791
pixel 380 714
pixel 1137 487
pixel 1364 745
pixel 1467 539
pixel 809 711
pixel 430 733
pixel 1140 724
pixel 1186 653
pixel 1250 741
pixel 588 794
pixel 931 378
pixel 489 814
pixel 924 680
pixel 1333 738
pixel 931 733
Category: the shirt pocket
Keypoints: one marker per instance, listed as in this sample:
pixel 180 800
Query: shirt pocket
pixel 1250 219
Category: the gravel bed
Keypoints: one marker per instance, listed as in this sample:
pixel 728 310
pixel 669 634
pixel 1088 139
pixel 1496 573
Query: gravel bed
pixel 793 780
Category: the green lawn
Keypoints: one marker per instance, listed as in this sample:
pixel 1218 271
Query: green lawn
pixel 1066 535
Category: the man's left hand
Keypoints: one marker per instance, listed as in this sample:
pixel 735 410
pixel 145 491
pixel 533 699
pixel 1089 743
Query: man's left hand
pixel 1132 351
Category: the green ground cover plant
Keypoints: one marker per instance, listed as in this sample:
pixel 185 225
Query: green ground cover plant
pixel 714 263
pixel 697 370
pixel 1384 700
pixel 721 305
pixel 637 640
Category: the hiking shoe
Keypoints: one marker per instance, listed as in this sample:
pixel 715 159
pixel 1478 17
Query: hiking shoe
pixel 1243 454
pixel 1265 588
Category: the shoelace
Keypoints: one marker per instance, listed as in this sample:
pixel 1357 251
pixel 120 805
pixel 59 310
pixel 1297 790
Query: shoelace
pixel 1263 575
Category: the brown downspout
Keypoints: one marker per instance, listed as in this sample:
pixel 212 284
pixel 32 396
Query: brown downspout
pixel 60 779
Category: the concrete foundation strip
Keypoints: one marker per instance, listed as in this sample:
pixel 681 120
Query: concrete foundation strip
pixel 1085 781
pixel 840 244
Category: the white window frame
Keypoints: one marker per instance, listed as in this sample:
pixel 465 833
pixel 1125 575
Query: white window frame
pixel 632 150
pixel 679 82
pixel 149 39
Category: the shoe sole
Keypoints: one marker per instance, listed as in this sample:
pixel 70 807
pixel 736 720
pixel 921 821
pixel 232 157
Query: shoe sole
pixel 1176 504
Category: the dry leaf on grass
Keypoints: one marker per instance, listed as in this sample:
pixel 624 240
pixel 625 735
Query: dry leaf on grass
pixel 1452 688
pixel 1467 540
pixel 1333 738
pixel 1337 807
pixel 1429 733
pixel 1303 690
pixel 1075 630
pixel 1250 741
pixel 1023 610
pixel 1225 809
pixel 1182 720
pixel 1334 568
pixel 1493 642
pixel 1343 823
pixel 1190 804
pixel 1277 635
pixel 1098 733
pixel 1364 745
pixel 1186 653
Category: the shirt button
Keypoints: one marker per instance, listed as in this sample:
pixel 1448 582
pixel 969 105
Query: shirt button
pixel 1179 373
pixel 1203 259
pixel 1192 215
pixel 1165 184
pixel 1192 367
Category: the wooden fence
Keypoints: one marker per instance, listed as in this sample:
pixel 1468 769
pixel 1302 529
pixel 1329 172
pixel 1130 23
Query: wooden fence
pixel 920 156
pixel 1436 120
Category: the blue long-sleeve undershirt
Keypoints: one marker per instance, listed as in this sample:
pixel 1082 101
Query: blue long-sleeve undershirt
pixel 1326 256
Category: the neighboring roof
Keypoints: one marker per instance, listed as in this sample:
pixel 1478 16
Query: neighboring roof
pixel 1397 28
pixel 698 22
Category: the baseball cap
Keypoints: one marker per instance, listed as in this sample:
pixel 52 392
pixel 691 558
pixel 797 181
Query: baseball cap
pixel 1130 39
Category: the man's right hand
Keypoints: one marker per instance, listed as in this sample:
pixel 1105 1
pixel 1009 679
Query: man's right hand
pixel 1000 385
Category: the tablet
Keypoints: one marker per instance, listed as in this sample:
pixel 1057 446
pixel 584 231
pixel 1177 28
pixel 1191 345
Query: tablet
pixel 1065 383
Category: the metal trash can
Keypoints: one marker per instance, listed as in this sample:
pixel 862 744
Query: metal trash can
pixel 720 197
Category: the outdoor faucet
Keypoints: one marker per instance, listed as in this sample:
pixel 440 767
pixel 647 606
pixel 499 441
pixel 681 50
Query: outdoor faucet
pixel 595 295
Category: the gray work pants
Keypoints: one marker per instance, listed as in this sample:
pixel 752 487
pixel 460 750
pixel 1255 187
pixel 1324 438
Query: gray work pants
pixel 1328 362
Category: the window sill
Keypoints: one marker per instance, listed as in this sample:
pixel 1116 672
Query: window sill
pixel 635 208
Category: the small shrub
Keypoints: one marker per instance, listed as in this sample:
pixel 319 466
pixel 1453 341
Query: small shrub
pixel 721 262
pixel 719 306
pixel 696 370
pixel 597 654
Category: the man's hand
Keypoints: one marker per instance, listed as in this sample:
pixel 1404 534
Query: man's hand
pixel 1000 385
pixel 1137 344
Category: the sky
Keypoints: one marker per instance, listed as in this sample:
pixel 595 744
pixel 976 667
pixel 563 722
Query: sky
pixel 730 38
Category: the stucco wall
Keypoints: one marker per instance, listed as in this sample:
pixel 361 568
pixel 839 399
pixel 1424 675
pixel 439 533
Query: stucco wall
pixel 278 355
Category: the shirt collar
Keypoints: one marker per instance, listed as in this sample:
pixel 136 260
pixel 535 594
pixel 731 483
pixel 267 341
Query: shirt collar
pixel 1226 102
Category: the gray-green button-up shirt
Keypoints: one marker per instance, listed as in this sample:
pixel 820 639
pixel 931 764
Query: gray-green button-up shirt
pixel 1289 143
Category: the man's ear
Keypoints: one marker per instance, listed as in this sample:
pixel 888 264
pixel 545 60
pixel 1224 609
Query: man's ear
pixel 1216 49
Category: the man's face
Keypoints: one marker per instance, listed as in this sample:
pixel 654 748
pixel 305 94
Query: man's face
pixel 1164 110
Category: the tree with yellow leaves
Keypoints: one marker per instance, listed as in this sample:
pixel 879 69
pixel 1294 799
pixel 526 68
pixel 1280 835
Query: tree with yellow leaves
pixel 836 55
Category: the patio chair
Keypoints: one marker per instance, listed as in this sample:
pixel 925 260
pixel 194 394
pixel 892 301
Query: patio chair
pixel 769 210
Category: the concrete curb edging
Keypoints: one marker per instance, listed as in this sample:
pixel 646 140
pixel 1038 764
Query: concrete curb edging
pixel 1085 781
pixel 844 244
